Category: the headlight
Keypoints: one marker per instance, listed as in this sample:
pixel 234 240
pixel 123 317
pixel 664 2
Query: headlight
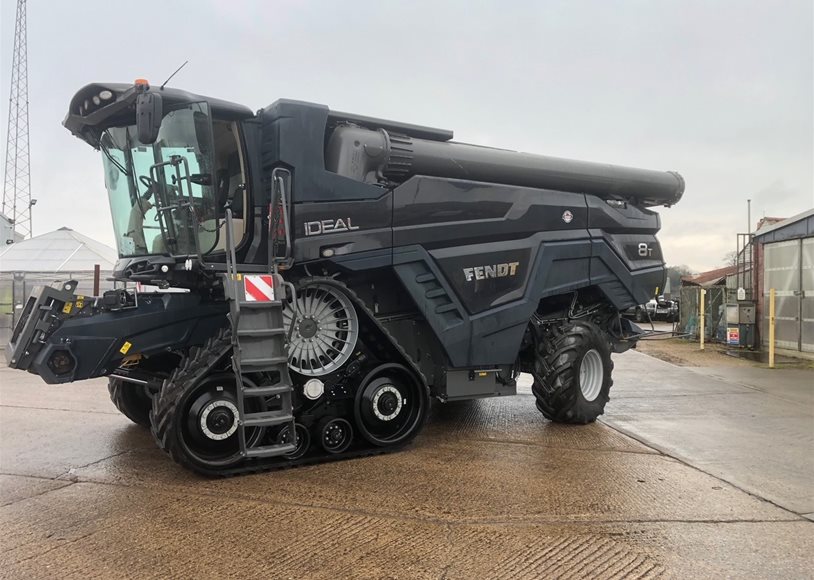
pixel 106 95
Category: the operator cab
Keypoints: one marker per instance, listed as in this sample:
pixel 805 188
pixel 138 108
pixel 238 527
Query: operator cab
pixel 139 192
pixel 172 160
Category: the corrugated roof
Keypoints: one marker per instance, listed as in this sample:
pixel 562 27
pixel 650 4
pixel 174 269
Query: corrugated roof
pixel 62 250
pixel 785 223
pixel 711 277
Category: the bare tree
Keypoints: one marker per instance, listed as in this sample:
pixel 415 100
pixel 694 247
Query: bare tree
pixel 674 273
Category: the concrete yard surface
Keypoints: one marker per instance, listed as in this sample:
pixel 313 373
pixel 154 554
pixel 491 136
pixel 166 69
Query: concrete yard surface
pixel 753 427
pixel 687 475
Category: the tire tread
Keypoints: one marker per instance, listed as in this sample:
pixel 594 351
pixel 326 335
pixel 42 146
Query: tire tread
pixel 556 373
pixel 130 402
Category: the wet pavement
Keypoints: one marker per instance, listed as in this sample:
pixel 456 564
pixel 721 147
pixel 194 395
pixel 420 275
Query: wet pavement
pixel 489 490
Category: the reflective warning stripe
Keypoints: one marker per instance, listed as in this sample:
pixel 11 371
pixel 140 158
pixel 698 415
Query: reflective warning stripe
pixel 258 288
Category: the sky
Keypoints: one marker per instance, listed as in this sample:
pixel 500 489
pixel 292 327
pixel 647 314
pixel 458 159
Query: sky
pixel 720 91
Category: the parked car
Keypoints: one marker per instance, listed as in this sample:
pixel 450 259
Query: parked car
pixel 658 308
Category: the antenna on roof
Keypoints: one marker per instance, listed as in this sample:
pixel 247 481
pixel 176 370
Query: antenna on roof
pixel 173 74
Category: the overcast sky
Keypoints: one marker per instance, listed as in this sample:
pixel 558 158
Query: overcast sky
pixel 720 91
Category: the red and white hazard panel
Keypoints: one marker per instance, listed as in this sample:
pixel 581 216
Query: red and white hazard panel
pixel 259 288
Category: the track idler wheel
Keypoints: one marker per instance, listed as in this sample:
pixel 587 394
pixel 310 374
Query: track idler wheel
pixel 196 421
pixel 391 405
pixel 335 434
pixel 303 440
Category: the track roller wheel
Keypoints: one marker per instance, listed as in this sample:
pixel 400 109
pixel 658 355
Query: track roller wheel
pixel 303 440
pixel 335 434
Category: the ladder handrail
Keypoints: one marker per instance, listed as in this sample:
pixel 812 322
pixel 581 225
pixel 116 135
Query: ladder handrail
pixel 278 210
pixel 231 267
pixel 234 295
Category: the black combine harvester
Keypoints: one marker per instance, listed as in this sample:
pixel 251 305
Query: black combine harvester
pixel 325 275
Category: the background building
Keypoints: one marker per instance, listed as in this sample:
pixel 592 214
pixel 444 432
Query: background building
pixel 784 260
pixel 59 255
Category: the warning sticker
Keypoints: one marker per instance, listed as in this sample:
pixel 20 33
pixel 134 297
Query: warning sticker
pixel 259 288
pixel 734 335
pixel 125 347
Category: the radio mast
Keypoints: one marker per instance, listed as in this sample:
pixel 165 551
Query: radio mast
pixel 17 200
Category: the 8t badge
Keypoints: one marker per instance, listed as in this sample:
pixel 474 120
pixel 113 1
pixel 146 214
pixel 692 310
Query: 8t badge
pixel 567 216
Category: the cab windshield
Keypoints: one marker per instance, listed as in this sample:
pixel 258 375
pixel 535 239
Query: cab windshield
pixel 162 196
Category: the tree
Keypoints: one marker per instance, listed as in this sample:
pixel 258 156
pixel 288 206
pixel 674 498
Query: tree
pixel 731 258
pixel 674 273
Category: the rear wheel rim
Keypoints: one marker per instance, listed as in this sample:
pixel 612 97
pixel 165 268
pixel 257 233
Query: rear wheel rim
pixel 591 375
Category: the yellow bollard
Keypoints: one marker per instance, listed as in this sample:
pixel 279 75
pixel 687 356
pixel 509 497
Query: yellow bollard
pixel 702 317
pixel 772 322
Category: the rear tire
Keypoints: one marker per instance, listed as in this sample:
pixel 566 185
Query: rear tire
pixel 131 400
pixel 572 372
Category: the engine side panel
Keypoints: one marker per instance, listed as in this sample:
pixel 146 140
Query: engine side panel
pixel 492 336
pixel 436 212
pixel 477 258
pixel 342 228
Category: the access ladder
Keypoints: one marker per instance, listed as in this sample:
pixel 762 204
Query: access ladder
pixel 259 338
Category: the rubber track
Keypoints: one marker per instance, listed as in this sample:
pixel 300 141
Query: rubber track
pixel 123 398
pixel 160 432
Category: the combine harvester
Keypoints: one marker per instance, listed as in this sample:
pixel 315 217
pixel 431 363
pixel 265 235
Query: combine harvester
pixel 342 271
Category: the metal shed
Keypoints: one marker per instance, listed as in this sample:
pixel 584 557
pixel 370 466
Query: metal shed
pixel 785 262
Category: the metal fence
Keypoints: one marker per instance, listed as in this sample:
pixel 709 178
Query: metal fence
pixel 16 287
pixel 714 313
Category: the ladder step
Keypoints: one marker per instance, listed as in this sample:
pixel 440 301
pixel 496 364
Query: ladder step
pixel 263 332
pixel 266 419
pixel 268 391
pixel 270 450
pixel 261 305
pixel 435 293
pixel 263 362
pixel 424 278
pixel 446 308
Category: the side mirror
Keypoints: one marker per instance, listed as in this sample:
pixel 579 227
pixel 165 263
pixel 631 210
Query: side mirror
pixel 149 111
